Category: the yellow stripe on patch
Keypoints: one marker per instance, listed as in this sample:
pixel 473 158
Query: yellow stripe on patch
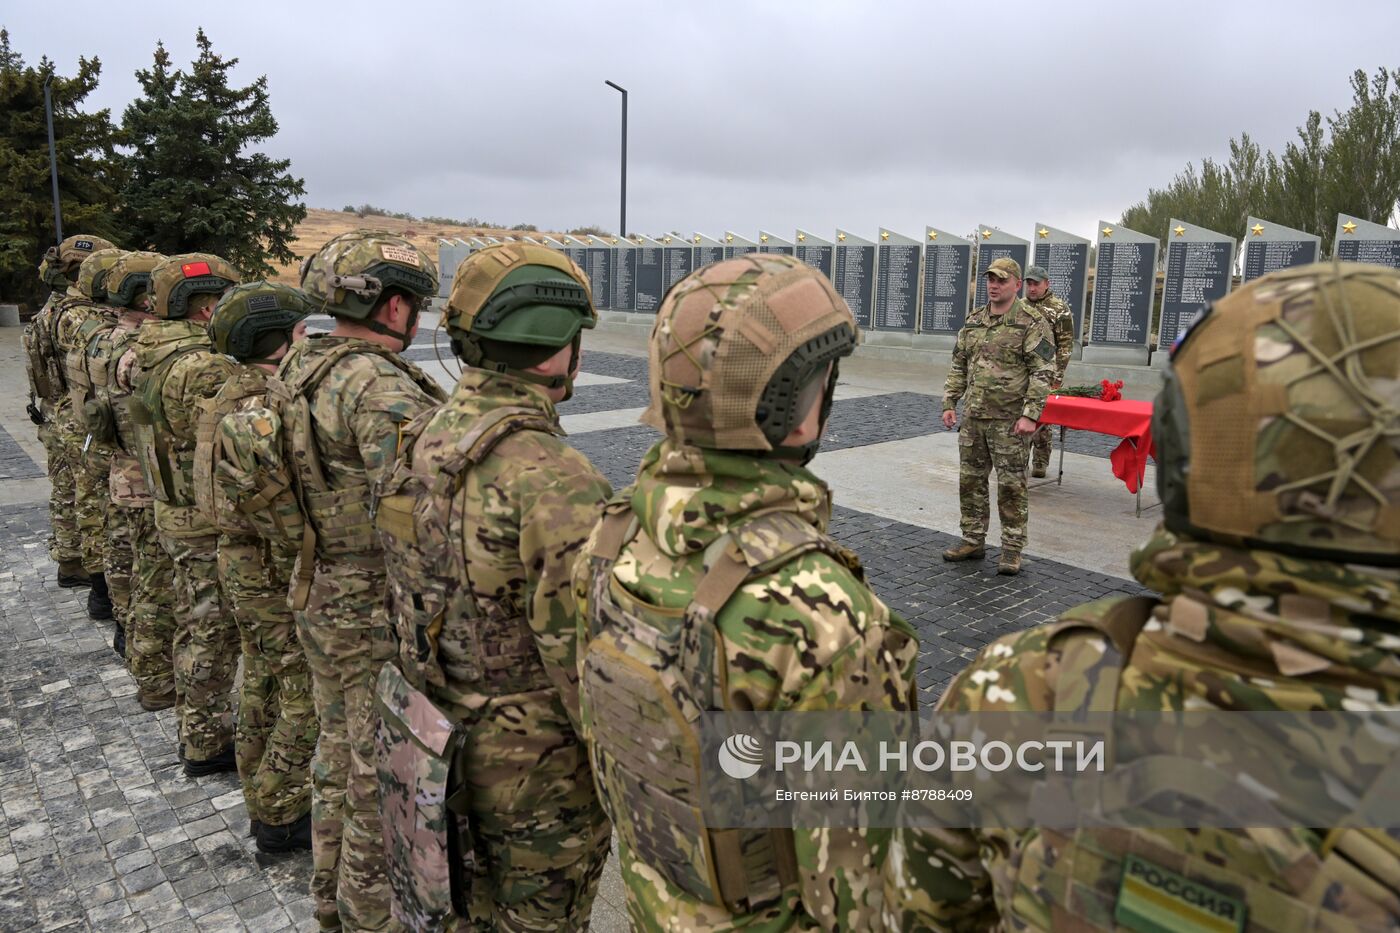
pixel 1193 918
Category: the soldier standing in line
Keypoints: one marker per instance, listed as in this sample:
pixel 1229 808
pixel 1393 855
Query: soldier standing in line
pixel 54 414
pixel 178 372
pixel 1060 317
pixel 343 398
pixel 276 735
pixel 479 591
pixel 1003 364
pixel 151 614
pixel 1278 565
pixel 718 558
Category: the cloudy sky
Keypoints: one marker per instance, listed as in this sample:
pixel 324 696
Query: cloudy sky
pixel 748 115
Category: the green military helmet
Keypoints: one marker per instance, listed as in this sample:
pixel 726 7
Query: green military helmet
pixel 514 305
pixel 60 263
pixel 1278 426
pixel 130 278
pixel 349 276
pixel 740 350
pixel 179 278
pixel 248 317
pixel 92 274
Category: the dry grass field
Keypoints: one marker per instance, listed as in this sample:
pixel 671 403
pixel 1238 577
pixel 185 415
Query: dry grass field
pixel 320 225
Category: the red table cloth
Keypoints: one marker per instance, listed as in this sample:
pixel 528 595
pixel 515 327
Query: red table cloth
pixel 1125 418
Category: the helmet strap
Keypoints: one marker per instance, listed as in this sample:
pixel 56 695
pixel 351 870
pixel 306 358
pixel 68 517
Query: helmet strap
pixel 405 337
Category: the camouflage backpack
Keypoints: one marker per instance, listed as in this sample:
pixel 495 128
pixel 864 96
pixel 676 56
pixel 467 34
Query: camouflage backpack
pixel 647 677
pixel 426 834
pixel 227 456
pixel 93 332
pixel 146 407
pixel 103 347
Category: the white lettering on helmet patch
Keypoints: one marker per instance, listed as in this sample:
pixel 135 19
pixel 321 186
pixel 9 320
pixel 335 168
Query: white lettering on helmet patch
pixel 400 254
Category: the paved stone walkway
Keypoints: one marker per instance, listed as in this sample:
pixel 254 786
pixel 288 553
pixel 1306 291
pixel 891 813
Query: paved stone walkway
pixel 102 831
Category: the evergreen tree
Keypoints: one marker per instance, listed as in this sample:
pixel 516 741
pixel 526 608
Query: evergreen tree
pixel 87 179
pixel 192 186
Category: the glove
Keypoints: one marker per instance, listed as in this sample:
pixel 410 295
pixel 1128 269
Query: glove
pixel 35 415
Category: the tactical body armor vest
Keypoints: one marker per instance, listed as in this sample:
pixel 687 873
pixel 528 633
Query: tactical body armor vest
pixel 41 359
pixel 427 835
pixel 78 359
pixel 160 463
pixel 648 676
pixel 219 508
pixel 127 482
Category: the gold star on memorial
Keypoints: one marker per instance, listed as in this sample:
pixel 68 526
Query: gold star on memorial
pixel 729 238
pixel 1179 230
pixel 933 234
pixel 841 236
pixel 1348 227
pixel 763 238
pixel 666 239
pixel 697 238
pixel 802 238
pixel 1107 232
pixel 986 234
pixel 884 234
pixel 1257 229
pixel 1043 233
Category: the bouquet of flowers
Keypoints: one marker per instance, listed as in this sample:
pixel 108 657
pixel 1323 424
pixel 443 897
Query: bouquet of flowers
pixel 1105 391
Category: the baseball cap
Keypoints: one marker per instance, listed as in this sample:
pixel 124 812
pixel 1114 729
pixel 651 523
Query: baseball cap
pixel 1005 268
pixel 1036 274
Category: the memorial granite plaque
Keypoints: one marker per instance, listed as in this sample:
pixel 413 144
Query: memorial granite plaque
pixel 677 259
pixel 649 278
pixel 816 252
pixel 575 249
pixel 1362 241
pixel 599 259
pixel 624 275
pixel 735 245
pixel 1199 269
pixel 896 282
pixel 1124 279
pixel 772 243
pixel 1066 258
pixel 853 274
pixel 450 255
pixel 947 283
pixel 1269 247
pixel 992 245
pixel 707 250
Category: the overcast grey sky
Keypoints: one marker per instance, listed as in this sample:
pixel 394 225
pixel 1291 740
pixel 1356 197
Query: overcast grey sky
pixel 749 115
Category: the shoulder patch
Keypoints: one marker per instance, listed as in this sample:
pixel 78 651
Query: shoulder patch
pixel 1154 900
pixel 1045 349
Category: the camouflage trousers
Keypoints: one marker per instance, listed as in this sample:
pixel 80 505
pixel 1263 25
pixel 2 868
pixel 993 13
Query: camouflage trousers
pixel 984 444
pixel 119 559
pixel 541 836
pixel 64 543
pixel 151 631
pixel 205 647
pixel 1041 445
pixel 277 727
pixel 347 641
pixel 90 470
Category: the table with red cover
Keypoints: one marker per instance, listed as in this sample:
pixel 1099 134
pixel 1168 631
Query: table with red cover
pixel 1125 418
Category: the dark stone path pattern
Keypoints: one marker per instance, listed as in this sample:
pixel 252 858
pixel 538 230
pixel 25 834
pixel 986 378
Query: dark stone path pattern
pixel 14 462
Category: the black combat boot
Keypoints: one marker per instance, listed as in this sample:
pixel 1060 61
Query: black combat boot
pixel 99 607
pixel 119 641
pixel 292 837
pixel 221 763
pixel 71 574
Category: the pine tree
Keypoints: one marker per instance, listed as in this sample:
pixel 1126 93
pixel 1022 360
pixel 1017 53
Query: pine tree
pixel 193 187
pixel 87 171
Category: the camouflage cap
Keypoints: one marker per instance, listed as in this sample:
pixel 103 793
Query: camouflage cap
pixel 179 278
pixel 246 312
pixel 347 275
pixel 725 331
pixel 520 293
pixel 1035 273
pixel 130 276
pixel 1278 425
pixel 92 274
pixel 1004 268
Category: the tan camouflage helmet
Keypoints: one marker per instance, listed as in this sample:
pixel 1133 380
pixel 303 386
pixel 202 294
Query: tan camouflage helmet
pixel 92 274
pixel 738 350
pixel 1278 426
pixel 347 276
pixel 62 261
pixel 179 278
pixel 130 277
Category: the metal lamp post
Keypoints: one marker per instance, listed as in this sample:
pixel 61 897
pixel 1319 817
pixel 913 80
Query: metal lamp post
pixel 622 223
pixel 53 161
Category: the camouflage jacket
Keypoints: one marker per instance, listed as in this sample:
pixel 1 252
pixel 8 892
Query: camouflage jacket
pixel 1003 364
pixel 1058 315
pixel 809 636
pixel 1247 630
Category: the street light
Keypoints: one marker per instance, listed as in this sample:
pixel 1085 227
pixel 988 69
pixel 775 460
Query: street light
pixel 53 161
pixel 622 224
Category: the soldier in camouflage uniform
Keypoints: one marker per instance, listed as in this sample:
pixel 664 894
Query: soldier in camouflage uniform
pixel 276 736
pixel 82 330
pixel 1003 363
pixel 343 398
pixel 178 372
pixel 479 590
pixel 720 549
pixel 54 414
pixel 1058 315
pixel 1278 564
pixel 151 614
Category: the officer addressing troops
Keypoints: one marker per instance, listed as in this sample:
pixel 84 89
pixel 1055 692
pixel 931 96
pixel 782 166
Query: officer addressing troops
pixel 481 521
pixel 1278 565
pixel 1060 317
pixel 54 413
pixel 343 397
pixel 275 738
pixel 179 372
pixel 722 540
pixel 1003 365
